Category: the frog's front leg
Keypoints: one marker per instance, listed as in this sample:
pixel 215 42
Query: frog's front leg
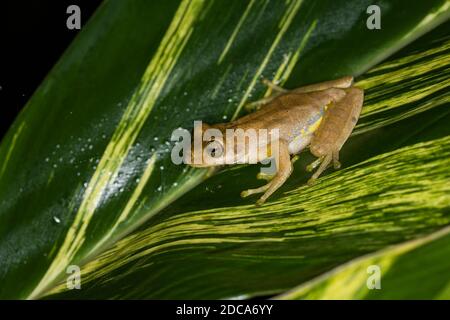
pixel 337 125
pixel 284 170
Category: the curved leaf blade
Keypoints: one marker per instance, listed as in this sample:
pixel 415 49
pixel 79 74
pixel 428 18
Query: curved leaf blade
pixel 398 267
pixel 91 172
pixel 397 192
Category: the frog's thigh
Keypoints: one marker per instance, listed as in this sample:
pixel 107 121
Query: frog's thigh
pixel 336 127
pixel 344 82
pixel 338 123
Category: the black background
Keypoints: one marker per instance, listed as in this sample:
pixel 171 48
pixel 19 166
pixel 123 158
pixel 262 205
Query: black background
pixel 33 37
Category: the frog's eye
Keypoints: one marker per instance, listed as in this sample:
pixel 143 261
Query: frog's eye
pixel 214 149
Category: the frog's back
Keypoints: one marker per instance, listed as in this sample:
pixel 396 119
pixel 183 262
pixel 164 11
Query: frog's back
pixel 295 115
pixel 286 110
pixel 293 112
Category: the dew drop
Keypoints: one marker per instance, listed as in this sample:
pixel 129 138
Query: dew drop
pixel 56 219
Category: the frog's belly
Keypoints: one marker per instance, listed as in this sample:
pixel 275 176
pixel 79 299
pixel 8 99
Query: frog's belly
pixel 299 143
pixel 302 136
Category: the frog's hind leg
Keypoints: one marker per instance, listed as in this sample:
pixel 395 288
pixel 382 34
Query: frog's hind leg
pixel 284 167
pixel 315 164
pixel 256 105
pixel 341 83
pixel 249 192
pixel 324 163
pixel 335 129
pixel 274 86
pixel 336 163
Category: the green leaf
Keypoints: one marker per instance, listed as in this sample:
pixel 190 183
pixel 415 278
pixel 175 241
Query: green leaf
pixel 88 160
pixel 414 270
pixel 393 187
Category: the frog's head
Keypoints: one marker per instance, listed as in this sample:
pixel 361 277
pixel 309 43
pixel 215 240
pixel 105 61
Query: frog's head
pixel 207 146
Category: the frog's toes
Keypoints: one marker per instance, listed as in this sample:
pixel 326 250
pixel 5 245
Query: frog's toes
pixel 310 167
pixel 311 181
pixel 295 158
pixel 245 194
pixel 260 201
pixel 336 165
